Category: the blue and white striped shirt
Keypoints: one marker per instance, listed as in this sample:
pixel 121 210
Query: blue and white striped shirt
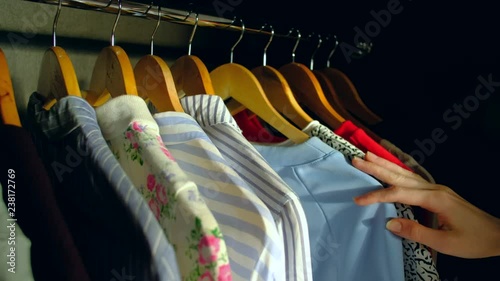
pixel 115 231
pixel 254 245
pixel 215 119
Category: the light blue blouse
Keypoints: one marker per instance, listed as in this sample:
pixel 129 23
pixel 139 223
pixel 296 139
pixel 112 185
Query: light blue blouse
pixel 348 242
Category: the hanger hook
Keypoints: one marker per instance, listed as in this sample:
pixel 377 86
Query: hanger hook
pixel 264 59
pixel 54 26
pixel 187 16
pixel 296 43
pixel 333 50
pixel 232 22
pixel 239 39
pixel 156 29
pixel 193 32
pixel 311 66
pixel 109 4
pixel 116 22
pixel 149 8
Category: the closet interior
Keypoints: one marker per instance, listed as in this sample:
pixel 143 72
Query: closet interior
pixel 151 140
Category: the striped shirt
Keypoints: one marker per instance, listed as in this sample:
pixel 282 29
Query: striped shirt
pixel 114 229
pixel 254 246
pixel 215 119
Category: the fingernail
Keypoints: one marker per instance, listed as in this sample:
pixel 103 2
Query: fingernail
pixel 394 226
pixel 357 159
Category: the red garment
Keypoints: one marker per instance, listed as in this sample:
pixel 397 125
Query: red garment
pixel 253 130
pixel 361 140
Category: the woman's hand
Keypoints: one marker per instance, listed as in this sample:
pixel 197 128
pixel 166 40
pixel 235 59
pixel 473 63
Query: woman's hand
pixel 464 230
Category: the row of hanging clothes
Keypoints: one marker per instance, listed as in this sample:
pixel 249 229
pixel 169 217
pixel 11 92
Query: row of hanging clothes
pixel 159 172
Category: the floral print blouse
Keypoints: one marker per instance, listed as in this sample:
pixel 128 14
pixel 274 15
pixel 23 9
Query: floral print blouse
pixel 133 136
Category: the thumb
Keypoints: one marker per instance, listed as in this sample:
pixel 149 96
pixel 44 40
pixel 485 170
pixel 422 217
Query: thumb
pixel 414 231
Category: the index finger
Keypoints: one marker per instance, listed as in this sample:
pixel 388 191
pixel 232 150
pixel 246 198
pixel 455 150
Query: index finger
pixel 372 157
pixel 386 175
pixel 423 197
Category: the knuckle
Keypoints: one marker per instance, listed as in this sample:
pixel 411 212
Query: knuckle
pixel 391 193
pixel 441 193
pixel 428 196
pixel 443 188
pixel 397 189
pixel 414 232
pixel 442 197
pixel 396 178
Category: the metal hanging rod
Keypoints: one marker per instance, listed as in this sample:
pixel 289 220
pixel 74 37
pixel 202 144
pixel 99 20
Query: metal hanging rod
pixel 131 8
pixel 150 11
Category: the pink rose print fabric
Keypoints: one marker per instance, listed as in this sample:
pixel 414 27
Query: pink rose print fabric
pixel 174 199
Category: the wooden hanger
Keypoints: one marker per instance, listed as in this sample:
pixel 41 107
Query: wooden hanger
pixel 155 81
pixel 334 99
pixel 279 92
pixel 57 77
pixel 346 94
pixel 233 80
pixel 332 96
pixel 307 90
pixel 280 95
pixel 329 89
pixel 350 97
pixel 190 74
pixel 8 107
pixel 113 74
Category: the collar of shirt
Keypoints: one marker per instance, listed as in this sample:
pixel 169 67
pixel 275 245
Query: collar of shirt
pixel 178 127
pixel 209 110
pixel 315 148
pixel 118 113
pixel 67 115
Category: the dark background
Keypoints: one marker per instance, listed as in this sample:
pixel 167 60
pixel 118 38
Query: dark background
pixel 424 61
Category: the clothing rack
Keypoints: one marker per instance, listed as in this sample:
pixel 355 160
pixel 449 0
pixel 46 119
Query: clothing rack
pixel 150 11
